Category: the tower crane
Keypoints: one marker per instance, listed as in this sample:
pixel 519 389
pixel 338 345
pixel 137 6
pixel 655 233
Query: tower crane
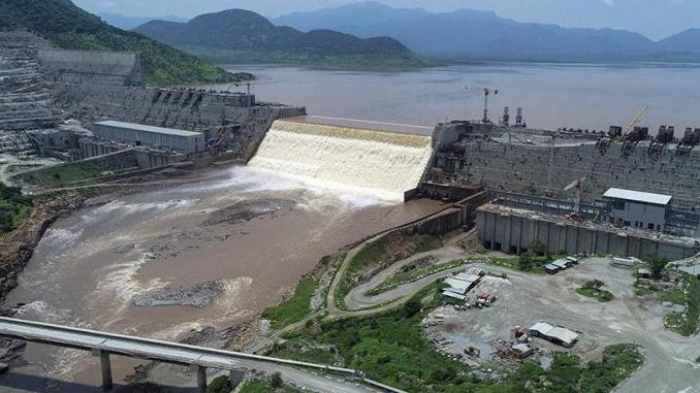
pixel 637 120
pixel 578 185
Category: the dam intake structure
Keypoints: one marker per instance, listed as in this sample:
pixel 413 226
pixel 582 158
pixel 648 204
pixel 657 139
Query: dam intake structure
pixel 382 163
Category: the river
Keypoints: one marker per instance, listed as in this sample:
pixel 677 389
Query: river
pixel 552 95
pixel 248 230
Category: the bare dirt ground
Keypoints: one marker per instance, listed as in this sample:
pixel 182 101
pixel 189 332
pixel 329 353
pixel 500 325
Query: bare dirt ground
pixel 524 299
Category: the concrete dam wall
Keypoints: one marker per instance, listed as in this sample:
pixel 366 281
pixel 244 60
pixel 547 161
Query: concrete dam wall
pixel 381 163
pixel 540 168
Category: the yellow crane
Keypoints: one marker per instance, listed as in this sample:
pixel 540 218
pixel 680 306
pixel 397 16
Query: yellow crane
pixel 637 120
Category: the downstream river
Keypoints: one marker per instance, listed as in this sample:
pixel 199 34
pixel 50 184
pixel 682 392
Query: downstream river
pixel 237 239
pixel 551 95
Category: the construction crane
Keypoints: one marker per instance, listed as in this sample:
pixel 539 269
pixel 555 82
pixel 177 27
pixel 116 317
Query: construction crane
pixel 637 120
pixel 578 185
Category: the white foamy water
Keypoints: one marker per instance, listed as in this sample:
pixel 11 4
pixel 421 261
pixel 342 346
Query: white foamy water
pixel 353 160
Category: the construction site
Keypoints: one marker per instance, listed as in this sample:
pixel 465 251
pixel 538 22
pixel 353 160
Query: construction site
pixel 519 244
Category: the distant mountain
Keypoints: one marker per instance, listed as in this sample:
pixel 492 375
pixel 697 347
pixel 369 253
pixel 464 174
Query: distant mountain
pixel 684 42
pixel 244 36
pixel 132 22
pixel 469 34
pixel 69 27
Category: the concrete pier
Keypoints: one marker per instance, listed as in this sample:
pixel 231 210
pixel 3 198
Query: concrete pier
pixel 202 379
pixel 106 365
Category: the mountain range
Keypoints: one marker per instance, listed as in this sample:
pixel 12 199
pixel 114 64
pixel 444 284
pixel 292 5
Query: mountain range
pixel 237 36
pixel 67 26
pixel 483 35
pixel 131 22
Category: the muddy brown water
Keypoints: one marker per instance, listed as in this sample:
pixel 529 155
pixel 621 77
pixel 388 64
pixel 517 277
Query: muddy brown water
pixel 90 265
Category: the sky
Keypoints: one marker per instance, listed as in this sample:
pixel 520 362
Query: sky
pixel 653 18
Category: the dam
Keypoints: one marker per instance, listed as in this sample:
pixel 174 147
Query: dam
pixel 380 163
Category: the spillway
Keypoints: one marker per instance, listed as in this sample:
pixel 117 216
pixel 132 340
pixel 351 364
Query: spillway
pixel 385 164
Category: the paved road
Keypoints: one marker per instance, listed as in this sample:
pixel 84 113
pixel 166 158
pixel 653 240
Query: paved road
pixel 358 299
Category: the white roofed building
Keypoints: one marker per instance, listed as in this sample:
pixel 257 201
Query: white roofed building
pixel 642 210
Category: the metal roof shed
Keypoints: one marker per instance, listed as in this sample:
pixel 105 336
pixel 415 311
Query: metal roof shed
pixel 638 196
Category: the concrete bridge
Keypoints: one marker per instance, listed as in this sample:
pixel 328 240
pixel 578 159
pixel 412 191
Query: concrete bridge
pixel 104 345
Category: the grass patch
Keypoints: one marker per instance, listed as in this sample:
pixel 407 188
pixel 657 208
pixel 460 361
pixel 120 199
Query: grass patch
pixel 409 275
pixel 14 208
pixel 392 349
pixel 685 322
pixel 266 386
pixel 380 254
pixel 523 263
pixel 594 289
pixel 62 175
pixel 296 308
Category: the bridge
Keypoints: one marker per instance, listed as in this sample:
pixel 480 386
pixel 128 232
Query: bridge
pixel 103 345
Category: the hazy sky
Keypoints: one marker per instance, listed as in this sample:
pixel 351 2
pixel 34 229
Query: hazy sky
pixel 654 18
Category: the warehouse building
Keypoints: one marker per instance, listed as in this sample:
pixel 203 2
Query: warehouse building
pixel 636 209
pixel 157 137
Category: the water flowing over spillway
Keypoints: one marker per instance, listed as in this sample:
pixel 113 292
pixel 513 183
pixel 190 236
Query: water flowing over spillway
pixel 382 163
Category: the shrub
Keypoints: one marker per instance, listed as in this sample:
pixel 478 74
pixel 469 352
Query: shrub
pixel 276 380
pixel 411 308
pixel 220 384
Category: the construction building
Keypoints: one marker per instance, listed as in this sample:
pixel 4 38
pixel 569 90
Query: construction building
pixel 641 210
pixel 182 141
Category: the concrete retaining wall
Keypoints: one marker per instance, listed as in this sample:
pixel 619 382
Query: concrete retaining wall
pixel 514 234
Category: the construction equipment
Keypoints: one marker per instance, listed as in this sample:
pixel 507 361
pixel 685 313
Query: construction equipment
pixel 637 120
pixel 578 185
pixel 633 134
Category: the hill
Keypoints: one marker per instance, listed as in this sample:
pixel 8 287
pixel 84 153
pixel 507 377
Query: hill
pixel 239 36
pixel 131 22
pixel 481 35
pixel 69 27
pixel 684 42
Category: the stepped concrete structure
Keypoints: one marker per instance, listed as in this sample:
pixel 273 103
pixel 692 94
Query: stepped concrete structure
pixel 41 87
pixel 549 186
pixel 545 162
pixel 25 96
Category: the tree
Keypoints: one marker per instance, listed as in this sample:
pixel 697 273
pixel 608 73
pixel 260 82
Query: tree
pixel 657 267
pixel 276 380
pixel 411 308
pixel 525 262
pixel 220 384
pixel 537 248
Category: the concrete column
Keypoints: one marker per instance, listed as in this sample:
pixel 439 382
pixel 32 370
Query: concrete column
pixel 549 239
pixel 202 379
pixel 509 233
pixel 107 383
pixel 236 377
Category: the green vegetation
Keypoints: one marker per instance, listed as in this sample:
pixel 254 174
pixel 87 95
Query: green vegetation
pixel 14 208
pixel 411 273
pixel 392 349
pixel 686 323
pixel 268 386
pixel 294 309
pixel 241 36
pixel 62 175
pixel 220 384
pixel 657 266
pixel 70 27
pixel 359 62
pixel 382 253
pixel 593 289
